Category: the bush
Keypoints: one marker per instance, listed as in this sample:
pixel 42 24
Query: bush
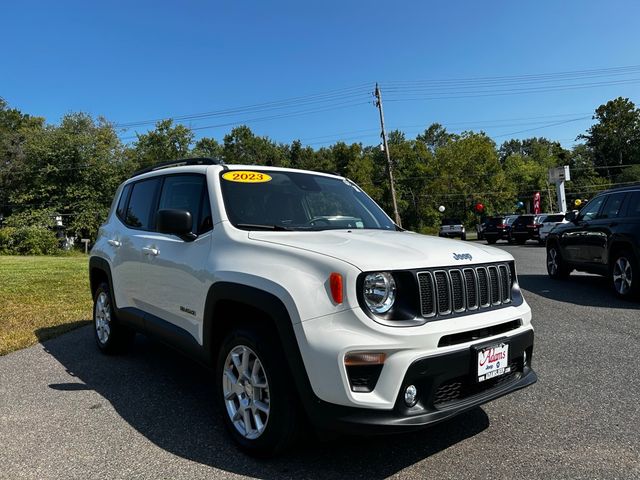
pixel 28 241
pixel 6 240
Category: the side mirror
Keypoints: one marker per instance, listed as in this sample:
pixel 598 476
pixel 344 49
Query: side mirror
pixel 176 222
pixel 571 216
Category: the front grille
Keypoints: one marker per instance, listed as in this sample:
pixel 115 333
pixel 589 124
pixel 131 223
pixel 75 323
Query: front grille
pixel 447 291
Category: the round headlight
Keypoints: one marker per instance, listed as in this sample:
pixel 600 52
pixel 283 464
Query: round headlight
pixel 379 291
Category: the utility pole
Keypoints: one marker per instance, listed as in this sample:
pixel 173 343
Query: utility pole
pixel 383 134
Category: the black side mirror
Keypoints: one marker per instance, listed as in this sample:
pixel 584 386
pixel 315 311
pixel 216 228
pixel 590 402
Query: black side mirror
pixel 571 216
pixel 176 222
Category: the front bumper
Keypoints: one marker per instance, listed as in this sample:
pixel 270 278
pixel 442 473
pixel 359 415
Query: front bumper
pixel 446 387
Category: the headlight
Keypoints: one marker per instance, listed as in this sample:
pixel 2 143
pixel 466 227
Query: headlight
pixel 379 291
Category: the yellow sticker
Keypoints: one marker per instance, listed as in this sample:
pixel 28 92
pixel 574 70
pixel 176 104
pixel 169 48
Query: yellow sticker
pixel 244 176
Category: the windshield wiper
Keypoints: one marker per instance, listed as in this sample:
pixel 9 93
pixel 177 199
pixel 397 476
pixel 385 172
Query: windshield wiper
pixel 255 226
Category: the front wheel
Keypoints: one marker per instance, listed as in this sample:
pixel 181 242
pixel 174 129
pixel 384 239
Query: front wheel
pixel 624 271
pixel 463 236
pixel 556 266
pixel 256 393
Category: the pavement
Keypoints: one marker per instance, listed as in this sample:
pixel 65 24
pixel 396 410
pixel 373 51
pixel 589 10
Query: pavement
pixel 68 412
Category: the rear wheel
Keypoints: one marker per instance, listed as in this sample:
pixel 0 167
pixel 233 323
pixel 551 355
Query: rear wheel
pixel 110 335
pixel 491 241
pixel 521 241
pixel 624 275
pixel 256 393
pixel 556 266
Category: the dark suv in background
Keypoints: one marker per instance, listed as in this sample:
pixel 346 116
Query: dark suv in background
pixel 604 238
pixel 498 228
pixel 526 227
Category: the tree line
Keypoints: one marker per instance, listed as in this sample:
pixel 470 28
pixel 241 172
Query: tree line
pixel 73 168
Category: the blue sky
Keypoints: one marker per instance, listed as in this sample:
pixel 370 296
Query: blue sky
pixel 144 60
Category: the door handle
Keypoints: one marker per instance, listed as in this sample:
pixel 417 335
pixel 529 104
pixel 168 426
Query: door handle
pixel 114 243
pixel 150 251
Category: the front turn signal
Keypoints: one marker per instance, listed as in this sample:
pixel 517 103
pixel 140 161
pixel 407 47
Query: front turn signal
pixel 335 284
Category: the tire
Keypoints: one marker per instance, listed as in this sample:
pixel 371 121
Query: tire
pixel 110 335
pixel 491 241
pixel 541 242
pixel 556 266
pixel 521 241
pixel 263 395
pixel 463 236
pixel 625 275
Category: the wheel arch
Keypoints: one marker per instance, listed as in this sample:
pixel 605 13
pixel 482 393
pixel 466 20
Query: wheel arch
pixel 99 271
pixel 226 300
pixel 617 246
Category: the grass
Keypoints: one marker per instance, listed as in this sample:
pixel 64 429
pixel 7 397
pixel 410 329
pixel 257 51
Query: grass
pixel 40 298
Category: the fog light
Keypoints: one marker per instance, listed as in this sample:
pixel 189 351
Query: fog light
pixel 411 396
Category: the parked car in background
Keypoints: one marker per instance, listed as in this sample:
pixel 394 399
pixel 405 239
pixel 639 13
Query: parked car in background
pixel 604 238
pixel 452 228
pixel 526 227
pixel 498 228
pixel 549 223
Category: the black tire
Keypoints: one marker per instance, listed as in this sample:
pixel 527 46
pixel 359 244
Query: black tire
pixel 491 241
pixel 463 236
pixel 624 274
pixel 521 241
pixel 556 266
pixel 541 242
pixel 281 423
pixel 111 336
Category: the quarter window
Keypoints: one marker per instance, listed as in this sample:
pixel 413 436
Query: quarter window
pixel 633 208
pixel 122 203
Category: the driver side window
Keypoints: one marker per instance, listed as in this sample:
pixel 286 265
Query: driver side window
pixel 590 211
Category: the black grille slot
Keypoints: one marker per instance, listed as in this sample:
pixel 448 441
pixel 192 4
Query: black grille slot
pixel 483 286
pixel 427 294
pixel 471 287
pixel 505 283
pixel 461 388
pixel 495 285
pixel 457 290
pixel 442 289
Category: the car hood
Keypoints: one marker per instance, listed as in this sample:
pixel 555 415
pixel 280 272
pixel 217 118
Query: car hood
pixel 386 250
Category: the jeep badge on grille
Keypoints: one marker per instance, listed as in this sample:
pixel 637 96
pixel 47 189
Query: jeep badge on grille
pixel 462 256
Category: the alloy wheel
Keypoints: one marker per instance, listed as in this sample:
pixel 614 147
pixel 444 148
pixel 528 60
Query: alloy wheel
pixel 103 317
pixel 552 261
pixel 622 276
pixel 246 392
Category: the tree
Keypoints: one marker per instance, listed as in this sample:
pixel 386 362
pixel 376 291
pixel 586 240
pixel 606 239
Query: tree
pixel 166 142
pixel 615 139
pixel 242 146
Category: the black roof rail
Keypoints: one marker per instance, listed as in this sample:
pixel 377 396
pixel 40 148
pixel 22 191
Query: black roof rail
pixel 179 163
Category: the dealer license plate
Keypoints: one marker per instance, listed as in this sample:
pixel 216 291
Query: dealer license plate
pixel 493 361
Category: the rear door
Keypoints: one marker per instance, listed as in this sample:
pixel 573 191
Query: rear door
pixel 601 229
pixel 138 224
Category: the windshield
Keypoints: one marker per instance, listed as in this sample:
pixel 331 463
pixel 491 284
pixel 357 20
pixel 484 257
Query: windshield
pixel 298 201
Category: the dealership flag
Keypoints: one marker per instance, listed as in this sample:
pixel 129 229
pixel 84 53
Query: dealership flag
pixel 536 203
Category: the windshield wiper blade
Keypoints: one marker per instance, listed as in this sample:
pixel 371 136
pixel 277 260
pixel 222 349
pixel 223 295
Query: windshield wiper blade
pixel 255 226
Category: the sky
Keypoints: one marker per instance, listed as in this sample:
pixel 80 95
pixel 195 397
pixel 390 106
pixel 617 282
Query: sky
pixel 306 70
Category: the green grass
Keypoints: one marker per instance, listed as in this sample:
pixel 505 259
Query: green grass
pixel 40 298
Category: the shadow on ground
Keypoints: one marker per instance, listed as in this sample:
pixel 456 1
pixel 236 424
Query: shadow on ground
pixel 170 400
pixel 578 289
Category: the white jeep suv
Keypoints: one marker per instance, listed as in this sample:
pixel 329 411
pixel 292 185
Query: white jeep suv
pixel 307 300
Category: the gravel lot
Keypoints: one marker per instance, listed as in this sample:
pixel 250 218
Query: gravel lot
pixel 68 412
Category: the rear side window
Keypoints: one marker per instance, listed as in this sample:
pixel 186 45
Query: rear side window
pixel 612 206
pixel 188 192
pixel 122 203
pixel 633 205
pixel 141 204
